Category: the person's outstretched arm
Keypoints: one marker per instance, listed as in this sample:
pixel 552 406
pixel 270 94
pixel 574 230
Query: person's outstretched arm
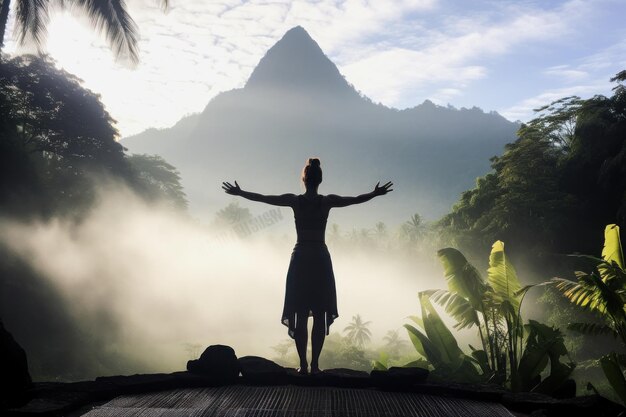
pixel 275 200
pixel 339 201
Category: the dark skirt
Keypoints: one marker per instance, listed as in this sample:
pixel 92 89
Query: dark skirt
pixel 310 287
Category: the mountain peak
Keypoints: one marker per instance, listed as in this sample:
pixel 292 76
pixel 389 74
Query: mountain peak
pixel 296 62
pixel 298 31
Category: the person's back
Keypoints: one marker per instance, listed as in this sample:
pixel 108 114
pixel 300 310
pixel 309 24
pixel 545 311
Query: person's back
pixel 310 216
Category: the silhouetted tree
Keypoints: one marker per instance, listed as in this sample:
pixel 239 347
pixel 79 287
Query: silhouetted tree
pixel 414 229
pixel 232 214
pixel 283 348
pixel 552 189
pixel 357 330
pixel 393 343
pixel 58 129
pixel 380 230
pixel 161 180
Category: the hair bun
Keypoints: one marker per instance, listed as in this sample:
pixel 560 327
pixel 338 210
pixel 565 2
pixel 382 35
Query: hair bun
pixel 314 162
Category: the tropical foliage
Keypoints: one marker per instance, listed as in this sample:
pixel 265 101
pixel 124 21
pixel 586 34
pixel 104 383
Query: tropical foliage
pixel 435 343
pixel 57 138
pixel 552 189
pixel 603 292
pixel 512 353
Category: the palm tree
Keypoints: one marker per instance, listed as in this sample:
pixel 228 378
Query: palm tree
pixel 393 343
pixel 414 228
pixel 358 333
pixel 106 16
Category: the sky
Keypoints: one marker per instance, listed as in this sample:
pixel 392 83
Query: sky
pixel 504 56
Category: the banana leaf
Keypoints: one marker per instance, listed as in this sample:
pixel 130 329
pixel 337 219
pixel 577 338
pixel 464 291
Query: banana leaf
pixel 382 363
pixel 431 351
pixel 462 277
pixel 614 374
pixel 502 277
pixel 612 250
pixel 440 336
pixel 418 363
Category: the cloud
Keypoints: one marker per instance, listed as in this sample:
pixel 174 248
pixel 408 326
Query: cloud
pixel 525 109
pixel 397 52
pixel 454 58
pixel 564 72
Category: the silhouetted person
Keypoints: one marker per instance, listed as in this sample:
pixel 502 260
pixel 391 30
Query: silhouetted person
pixel 310 288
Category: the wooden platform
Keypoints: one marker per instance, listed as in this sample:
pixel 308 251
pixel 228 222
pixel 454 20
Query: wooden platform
pixel 289 400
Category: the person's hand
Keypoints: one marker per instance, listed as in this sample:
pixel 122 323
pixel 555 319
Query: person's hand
pixel 384 189
pixel 231 189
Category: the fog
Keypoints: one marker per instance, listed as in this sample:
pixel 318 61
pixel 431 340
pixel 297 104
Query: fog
pixel 167 282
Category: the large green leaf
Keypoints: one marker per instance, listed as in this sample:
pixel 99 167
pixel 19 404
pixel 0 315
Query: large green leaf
pixel 424 346
pixel 462 277
pixel 559 373
pixel 481 359
pixel 534 360
pixel 544 344
pixel 382 364
pixel 440 336
pixel 418 363
pixel 502 277
pixel 612 251
pixel 417 320
pixel 614 374
pixel 417 343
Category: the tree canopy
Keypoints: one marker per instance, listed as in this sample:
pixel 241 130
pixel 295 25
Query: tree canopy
pixel 56 137
pixel 557 185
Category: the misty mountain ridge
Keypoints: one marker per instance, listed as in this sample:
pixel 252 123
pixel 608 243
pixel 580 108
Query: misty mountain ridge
pixel 295 105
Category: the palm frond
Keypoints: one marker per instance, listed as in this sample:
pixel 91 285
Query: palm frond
pixel 581 294
pixel 110 17
pixel 593 329
pixel 32 17
pixel 458 307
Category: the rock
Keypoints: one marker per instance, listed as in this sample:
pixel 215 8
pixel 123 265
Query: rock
pixel 398 378
pixel 261 371
pixel 218 362
pixel 14 378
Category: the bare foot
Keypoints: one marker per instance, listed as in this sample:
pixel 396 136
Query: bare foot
pixel 302 370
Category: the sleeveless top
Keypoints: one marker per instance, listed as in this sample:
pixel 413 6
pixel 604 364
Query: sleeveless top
pixel 310 219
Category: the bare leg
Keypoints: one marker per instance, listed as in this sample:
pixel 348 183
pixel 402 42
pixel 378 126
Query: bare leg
pixel 301 337
pixel 318 334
